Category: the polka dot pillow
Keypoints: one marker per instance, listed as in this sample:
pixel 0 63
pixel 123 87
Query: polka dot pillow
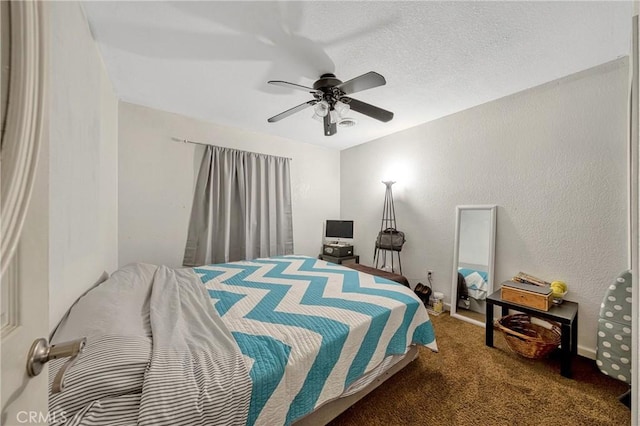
pixel 616 305
pixel 614 330
pixel 614 350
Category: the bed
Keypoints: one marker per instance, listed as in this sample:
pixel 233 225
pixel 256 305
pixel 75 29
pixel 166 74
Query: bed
pixel 284 340
pixel 380 273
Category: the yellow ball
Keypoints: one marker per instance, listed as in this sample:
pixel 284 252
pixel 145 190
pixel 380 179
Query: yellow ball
pixel 558 288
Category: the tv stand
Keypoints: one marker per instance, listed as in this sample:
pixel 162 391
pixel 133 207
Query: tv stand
pixel 337 244
pixel 337 250
pixel 340 260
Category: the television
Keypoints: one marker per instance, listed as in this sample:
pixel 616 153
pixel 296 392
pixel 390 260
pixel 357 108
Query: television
pixel 338 229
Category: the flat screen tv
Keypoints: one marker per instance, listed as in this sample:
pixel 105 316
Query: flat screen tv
pixel 338 229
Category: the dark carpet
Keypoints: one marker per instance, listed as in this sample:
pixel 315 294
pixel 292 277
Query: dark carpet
pixel 467 383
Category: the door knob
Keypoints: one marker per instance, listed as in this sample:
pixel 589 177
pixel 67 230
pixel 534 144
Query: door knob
pixel 41 352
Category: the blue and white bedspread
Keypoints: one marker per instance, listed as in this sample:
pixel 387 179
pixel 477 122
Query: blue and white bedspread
pixel 476 281
pixel 308 328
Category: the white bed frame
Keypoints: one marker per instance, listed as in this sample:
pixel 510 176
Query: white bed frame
pixel 332 409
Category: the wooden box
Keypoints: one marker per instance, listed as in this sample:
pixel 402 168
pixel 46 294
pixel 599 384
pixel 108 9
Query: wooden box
pixel 529 295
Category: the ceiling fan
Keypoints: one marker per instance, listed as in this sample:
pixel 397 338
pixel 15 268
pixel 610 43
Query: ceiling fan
pixel 331 102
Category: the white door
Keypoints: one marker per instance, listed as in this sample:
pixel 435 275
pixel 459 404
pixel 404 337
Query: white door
pixel 634 217
pixel 25 207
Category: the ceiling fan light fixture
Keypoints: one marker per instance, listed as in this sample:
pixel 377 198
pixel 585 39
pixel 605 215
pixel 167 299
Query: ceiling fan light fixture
pixel 332 101
pixel 322 108
pixel 347 122
pixel 342 108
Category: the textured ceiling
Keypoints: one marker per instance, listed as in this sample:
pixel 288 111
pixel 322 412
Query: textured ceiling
pixel 211 59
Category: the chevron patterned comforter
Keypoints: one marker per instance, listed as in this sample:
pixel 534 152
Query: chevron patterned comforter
pixel 308 329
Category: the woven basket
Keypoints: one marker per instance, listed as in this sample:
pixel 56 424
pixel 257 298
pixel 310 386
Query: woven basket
pixel 528 339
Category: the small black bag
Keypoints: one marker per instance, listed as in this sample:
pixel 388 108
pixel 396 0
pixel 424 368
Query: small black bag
pixel 390 239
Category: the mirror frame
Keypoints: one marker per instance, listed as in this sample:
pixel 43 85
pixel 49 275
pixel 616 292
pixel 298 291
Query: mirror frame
pixel 456 246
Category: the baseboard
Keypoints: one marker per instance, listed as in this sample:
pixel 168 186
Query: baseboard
pixel 587 352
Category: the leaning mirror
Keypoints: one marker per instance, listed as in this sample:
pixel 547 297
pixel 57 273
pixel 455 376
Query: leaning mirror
pixel 473 256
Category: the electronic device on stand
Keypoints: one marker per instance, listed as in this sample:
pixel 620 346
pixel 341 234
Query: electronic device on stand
pixel 338 236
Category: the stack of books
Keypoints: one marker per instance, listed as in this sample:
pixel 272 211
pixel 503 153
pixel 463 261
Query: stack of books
pixel 521 277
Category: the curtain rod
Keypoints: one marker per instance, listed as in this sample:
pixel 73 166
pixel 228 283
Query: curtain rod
pixel 209 144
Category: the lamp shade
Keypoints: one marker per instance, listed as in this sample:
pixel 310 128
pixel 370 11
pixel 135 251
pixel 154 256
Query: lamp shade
pixel 347 122
pixel 341 107
pixel 322 108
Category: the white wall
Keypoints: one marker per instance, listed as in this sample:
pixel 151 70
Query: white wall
pixel 157 177
pixel 552 158
pixel 83 160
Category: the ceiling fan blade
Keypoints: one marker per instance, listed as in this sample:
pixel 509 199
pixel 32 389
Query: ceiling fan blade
pixel 293 86
pixel 363 82
pixel 291 111
pixel 368 109
pixel 329 127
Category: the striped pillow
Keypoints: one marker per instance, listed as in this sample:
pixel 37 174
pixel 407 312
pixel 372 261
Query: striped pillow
pixel 110 366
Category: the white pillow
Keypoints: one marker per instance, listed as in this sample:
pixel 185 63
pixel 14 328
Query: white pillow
pixel 118 306
pixel 115 319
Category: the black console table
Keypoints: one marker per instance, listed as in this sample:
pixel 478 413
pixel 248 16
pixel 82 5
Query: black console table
pixel 566 314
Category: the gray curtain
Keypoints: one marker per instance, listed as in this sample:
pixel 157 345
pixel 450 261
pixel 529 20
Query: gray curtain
pixel 241 208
